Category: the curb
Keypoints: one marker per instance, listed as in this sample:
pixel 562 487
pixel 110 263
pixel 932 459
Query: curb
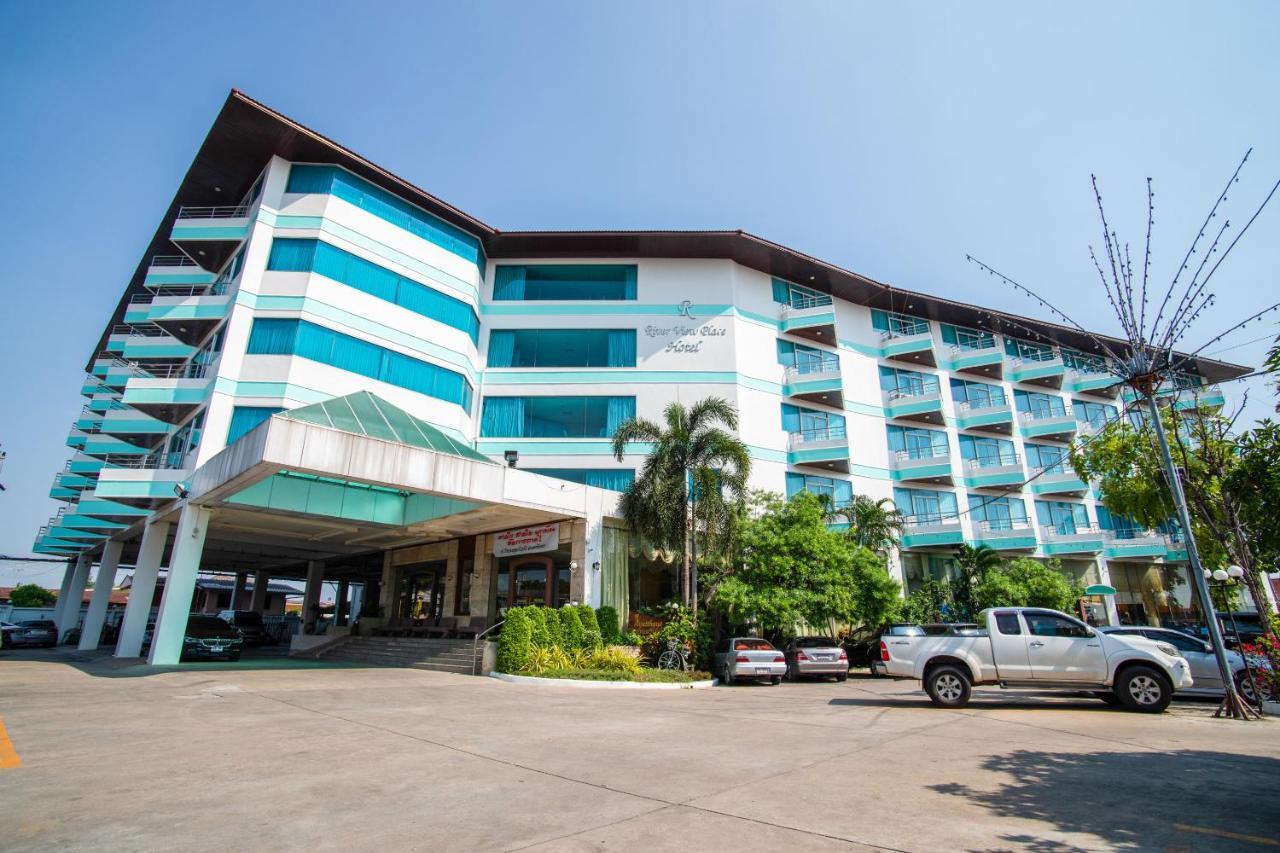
pixel 575 682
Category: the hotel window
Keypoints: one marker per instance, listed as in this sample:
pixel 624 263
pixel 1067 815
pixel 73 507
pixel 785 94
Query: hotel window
pixel 966 339
pixel 245 419
pixel 838 492
pixel 272 336
pixel 331 180
pixel 806 359
pixel 564 282
pixel 562 348
pixel 1083 362
pixel 1002 513
pixel 907 382
pixel 1120 527
pixel 812 424
pixel 1040 405
pixel 898 325
pixel 616 479
pixel 1027 351
pixel 987 452
pixel 554 417
pixel 1097 415
pixel 918 443
pixel 1048 458
pixel 979 395
pixel 926 506
pixel 795 296
pixel 1062 517
pixel 290 255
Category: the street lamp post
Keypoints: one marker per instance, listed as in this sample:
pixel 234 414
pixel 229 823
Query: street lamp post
pixel 1231 578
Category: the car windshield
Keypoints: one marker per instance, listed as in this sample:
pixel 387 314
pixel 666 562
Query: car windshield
pixel 248 617
pixel 36 623
pixel 751 644
pixel 815 642
pixel 205 623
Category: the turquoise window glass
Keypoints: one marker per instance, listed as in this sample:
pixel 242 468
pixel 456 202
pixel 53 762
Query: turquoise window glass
pixel 1065 518
pixel 916 442
pixel 1095 414
pixel 786 293
pixel 292 255
pixel 926 505
pixel 999 513
pixel 566 282
pixel 245 418
pixel 562 348
pixel 839 492
pixel 897 324
pixel 966 339
pixel 1051 459
pixel 554 417
pixel 979 395
pixel 907 382
pixel 987 451
pixel 331 180
pixel 273 336
pixel 616 479
pixel 1027 350
pixel 1043 405
pixel 811 422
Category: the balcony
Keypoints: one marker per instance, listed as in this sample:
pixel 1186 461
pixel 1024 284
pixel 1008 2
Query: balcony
pixel 1045 369
pixel 130 425
pixel 811 317
pixel 47 544
pixel 815 380
pixel 1204 397
pixel 1175 548
pixel 1071 540
pixel 986 362
pixel 87 466
pixel 169 393
pixel 106 446
pixel 1016 534
pixel 928 464
pixel 188 313
pixel 985 416
pixel 1005 471
pixel 147 342
pixel 909 342
pixel 145 481
pixel 922 531
pixel 826 448
pixel 90 504
pixel 1057 481
pixel 209 236
pixel 1056 426
pixel 1134 544
pixel 914 404
pixel 175 270
pixel 1091 381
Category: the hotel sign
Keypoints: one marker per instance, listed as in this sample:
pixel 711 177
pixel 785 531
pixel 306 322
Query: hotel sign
pixel 526 540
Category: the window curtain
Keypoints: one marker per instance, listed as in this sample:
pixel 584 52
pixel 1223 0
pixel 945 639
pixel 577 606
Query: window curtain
pixel 790 418
pixel 503 417
pixel 879 321
pixel 844 492
pixel 948 334
pixel 610 478
pixel 502 348
pixel 304 178
pixel 245 418
pixel 508 283
pixel 629 283
pixel 781 292
pixel 620 409
pixel 288 255
pixel 271 336
pixel 795 483
pixel 614 576
pixel 622 345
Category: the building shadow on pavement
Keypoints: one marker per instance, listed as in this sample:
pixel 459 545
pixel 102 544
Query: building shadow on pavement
pixel 1179 800
pixel 101 664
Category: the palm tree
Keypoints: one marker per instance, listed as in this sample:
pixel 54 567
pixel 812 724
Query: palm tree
pixel 873 524
pixel 973 563
pixel 696 462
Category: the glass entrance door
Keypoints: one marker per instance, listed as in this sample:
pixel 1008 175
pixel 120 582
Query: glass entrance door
pixel 422 591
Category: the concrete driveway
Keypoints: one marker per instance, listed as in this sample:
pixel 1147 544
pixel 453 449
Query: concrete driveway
pixel 280 755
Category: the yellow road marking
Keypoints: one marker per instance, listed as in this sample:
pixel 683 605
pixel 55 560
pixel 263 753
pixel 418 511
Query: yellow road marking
pixel 1222 833
pixel 8 755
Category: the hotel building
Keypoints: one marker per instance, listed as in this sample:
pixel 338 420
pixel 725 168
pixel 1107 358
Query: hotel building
pixel 321 372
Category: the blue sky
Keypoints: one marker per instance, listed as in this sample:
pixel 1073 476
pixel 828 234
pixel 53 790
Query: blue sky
pixel 891 139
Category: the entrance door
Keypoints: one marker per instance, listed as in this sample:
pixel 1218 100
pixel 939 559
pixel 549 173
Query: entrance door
pixel 422 591
pixel 530 580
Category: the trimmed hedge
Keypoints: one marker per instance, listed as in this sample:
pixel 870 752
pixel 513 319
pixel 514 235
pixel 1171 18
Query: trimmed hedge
pixel 607 619
pixel 516 641
pixel 541 636
pixel 571 631
pixel 554 632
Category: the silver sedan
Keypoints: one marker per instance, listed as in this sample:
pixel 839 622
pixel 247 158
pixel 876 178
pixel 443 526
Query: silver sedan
pixel 749 659
pixel 815 656
pixel 1206 680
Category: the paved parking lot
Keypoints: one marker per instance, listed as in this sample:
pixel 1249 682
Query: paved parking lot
pixel 286 756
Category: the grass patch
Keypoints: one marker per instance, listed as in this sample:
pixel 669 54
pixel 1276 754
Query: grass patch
pixel 651 676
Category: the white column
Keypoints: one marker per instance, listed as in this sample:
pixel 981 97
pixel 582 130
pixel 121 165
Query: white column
pixel 61 601
pixel 69 614
pixel 311 596
pixel 261 581
pixel 103 583
pixel 142 589
pixel 387 589
pixel 237 590
pixel 448 602
pixel 1104 577
pixel 175 604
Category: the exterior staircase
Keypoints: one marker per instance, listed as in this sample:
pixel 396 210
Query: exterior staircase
pixel 460 656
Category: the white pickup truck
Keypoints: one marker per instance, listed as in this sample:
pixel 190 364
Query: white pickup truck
pixel 1027 647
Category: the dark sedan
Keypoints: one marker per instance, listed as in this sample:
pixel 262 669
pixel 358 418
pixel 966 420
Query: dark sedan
pixel 210 637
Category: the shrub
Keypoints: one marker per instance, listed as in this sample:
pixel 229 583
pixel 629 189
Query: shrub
pixel 695 637
pixel 607 619
pixel 614 659
pixel 540 634
pixel 570 628
pixel 592 635
pixel 516 641
pixel 631 638
pixel 552 618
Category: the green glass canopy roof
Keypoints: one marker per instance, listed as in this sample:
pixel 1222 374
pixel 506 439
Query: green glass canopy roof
pixel 366 414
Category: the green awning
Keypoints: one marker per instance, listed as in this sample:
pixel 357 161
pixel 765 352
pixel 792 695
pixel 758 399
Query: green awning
pixel 365 414
pixel 1099 589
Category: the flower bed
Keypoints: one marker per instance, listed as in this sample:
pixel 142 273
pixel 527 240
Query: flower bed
pixel 644 676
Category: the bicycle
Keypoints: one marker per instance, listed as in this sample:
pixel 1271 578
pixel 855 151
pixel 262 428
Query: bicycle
pixel 675 657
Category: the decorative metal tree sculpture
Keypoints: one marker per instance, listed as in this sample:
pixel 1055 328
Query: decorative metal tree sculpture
pixel 1147 358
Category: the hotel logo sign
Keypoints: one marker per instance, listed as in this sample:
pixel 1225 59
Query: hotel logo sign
pixel 685 339
pixel 526 540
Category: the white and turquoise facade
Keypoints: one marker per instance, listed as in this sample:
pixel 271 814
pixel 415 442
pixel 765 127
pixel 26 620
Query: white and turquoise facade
pixel 323 276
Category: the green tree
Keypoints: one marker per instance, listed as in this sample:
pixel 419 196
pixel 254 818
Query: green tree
pixel 31 595
pixel 1230 481
pixel 974 564
pixel 793 569
pixel 688 485
pixel 1025 582
pixel 931 602
pixel 873 524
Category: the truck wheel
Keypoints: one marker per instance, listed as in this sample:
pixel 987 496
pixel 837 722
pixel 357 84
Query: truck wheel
pixel 948 686
pixel 1108 697
pixel 1144 689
